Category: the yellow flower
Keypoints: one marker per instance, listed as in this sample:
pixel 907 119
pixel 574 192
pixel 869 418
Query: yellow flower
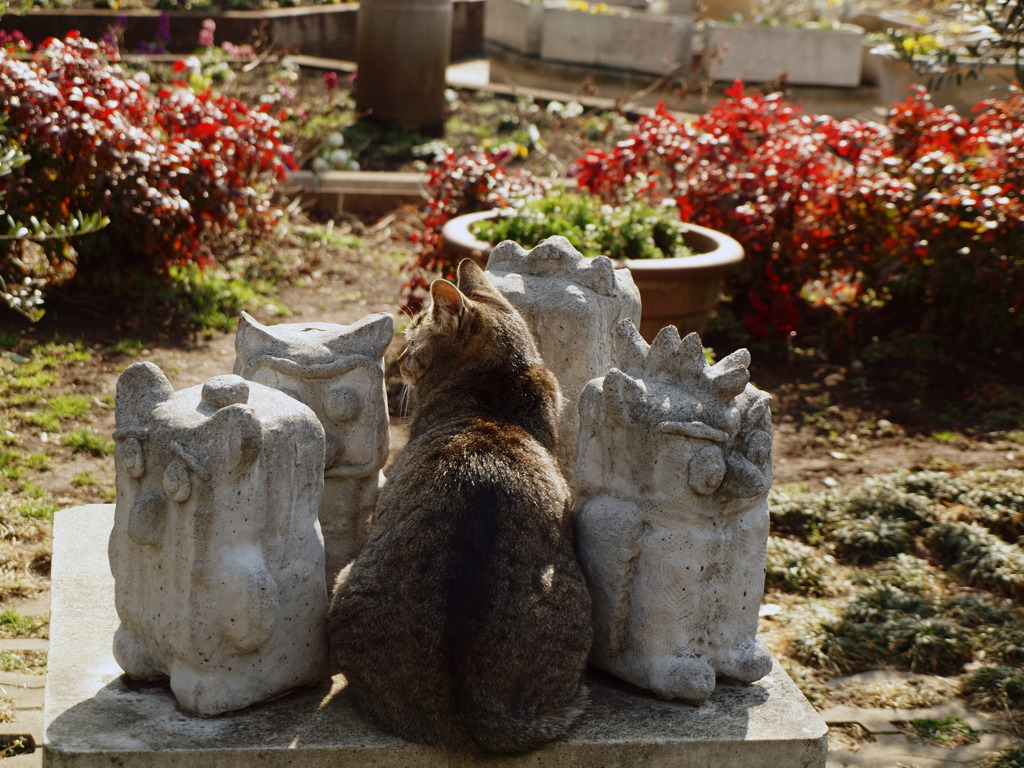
pixel 600 8
pixel 909 44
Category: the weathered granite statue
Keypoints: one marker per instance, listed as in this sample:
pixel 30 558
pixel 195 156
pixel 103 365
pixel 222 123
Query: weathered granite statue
pixel 216 551
pixel 674 466
pixel 338 371
pixel 571 305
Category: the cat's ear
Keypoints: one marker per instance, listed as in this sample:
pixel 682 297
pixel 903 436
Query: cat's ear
pixel 474 283
pixel 449 305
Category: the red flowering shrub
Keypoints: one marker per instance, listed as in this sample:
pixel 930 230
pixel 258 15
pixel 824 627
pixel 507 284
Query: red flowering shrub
pixel 473 182
pixel 917 221
pixel 184 177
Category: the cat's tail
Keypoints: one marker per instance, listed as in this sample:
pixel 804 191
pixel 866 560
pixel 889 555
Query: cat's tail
pixel 508 733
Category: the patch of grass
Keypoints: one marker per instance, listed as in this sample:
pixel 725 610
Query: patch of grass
pixel 793 566
pixel 979 557
pixel 67 407
pixel 35 381
pixel 37 509
pixel 10 461
pixel 87 441
pixel 326 234
pixel 213 299
pixel 24 546
pixel 46 421
pixel 888 625
pixel 15 624
pixel 32 662
pixel 27 399
pixel 33 490
pixel 126 346
pixel 944 436
pixel 889 496
pixel 52 354
pixel 995 688
pixel 869 538
pixel 82 479
pixel 947 732
pixel 796 513
pixel 39 461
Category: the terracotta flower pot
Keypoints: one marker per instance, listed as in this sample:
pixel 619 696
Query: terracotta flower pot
pixel 682 292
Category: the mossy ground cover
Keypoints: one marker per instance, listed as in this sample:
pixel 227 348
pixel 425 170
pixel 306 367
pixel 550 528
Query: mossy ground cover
pixel 911 571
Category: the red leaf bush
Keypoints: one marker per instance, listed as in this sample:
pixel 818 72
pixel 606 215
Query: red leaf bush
pixel 185 178
pixel 916 224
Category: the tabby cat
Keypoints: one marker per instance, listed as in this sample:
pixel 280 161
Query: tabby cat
pixel 465 620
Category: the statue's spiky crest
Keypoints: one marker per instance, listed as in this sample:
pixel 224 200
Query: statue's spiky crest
pixel 674 360
pixel 554 256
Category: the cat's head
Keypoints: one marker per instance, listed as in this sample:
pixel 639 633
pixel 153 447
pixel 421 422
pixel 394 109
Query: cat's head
pixel 468 326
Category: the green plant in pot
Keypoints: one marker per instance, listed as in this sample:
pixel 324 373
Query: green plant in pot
pixel 636 230
pixel 678 267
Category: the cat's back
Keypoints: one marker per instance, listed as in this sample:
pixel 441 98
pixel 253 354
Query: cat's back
pixel 465 622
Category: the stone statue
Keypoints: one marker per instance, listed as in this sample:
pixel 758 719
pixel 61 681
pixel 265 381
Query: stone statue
pixel 674 466
pixel 338 371
pixel 216 551
pixel 571 305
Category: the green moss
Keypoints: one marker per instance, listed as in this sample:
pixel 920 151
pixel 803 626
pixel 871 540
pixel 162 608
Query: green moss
pixel 86 441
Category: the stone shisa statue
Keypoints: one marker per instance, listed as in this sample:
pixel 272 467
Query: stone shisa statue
pixel 216 552
pixel 673 470
pixel 338 371
pixel 219 487
pixel 571 304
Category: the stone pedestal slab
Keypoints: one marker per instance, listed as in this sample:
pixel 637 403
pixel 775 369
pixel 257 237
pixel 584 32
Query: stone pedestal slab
pixel 94 717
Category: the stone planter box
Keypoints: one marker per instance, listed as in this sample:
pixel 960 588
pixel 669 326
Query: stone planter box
pixel 631 40
pixel 323 31
pixel 803 56
pixel 330 193
pixel 681 292
pixel 896 76
pixel 515 24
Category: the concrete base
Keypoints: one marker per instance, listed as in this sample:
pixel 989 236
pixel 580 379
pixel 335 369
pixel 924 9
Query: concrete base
pixel 94 717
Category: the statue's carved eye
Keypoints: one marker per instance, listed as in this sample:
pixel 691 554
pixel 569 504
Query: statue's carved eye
pixel 133 457
pixel 177 483
pixel 759 448
pixel 707 470
pixel 342 404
